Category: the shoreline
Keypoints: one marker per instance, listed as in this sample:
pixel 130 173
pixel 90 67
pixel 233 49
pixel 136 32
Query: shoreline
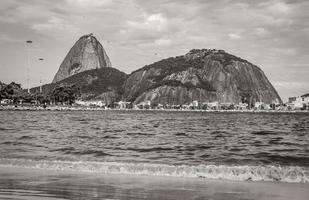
pixel 243 173
pixel 44 184
pixel 81 108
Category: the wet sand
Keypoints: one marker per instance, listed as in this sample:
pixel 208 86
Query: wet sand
pixel 17 183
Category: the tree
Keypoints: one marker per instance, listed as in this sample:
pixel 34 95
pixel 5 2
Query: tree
pixel 65 94
pixel 11 91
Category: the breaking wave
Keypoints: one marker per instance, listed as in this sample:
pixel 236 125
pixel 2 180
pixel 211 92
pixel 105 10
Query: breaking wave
pixel 239 173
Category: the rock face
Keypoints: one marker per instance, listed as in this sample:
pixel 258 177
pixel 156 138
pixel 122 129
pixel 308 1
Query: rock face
pixel 202 75
pixel 87 53
pixel 2 85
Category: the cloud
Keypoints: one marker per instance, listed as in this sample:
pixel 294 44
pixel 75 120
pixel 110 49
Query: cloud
pixel 88 3
pixel 260 31
pixel 279 7
pixel 288 84
pixel 284 51
pixel 270 33
pixel 4 38
pixel 153 22
pixel 234 36
pixel 163 42
pixel 52 23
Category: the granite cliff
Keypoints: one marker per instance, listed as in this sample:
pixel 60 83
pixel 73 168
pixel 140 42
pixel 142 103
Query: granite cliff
pixel 203 75
pixel 87 53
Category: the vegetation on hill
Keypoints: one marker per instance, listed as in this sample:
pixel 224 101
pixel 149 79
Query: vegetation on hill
pixel 171 65
pixel 88 84
pixel 181 63
pixel 305 95
pixel 65 94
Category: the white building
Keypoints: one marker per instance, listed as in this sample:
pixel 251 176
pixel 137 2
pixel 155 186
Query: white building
pixel 300 102
pixel 214 104
pixel 6 101
pixel 123 104
pixel 258 105
pixel 195 104
pixel 91 103
pixel 242 106
pixel 143 105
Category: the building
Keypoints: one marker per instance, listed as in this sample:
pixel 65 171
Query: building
pixel 242 106
pixel 259 105
pixel 213 105
pixel 6 101
pixel 143 105
pixel 195 104
pixel 292 99
pixel 98 103
pixel 123 104
pixel 160 106
pixel 299 103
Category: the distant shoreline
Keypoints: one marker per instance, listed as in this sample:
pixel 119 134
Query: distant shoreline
pixel 80 108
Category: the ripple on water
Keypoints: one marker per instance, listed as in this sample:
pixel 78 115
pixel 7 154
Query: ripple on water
pixel 170 137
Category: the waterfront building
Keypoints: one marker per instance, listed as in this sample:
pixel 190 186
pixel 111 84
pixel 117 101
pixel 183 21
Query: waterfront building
pixel 242 106
pixel 213 105
pixel 259 105
pixel 123 104
pixel 292 99
pixel 298 103
pixel 98 103
pixel 6 101
pixel 195 104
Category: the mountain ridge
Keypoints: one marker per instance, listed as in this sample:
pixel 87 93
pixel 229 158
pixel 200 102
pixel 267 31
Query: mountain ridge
pixel 203 75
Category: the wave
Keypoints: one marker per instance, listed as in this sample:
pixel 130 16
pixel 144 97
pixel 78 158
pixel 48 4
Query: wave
pixel 237 173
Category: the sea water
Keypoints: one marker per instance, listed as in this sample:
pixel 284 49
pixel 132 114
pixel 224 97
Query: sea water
pixel 231 146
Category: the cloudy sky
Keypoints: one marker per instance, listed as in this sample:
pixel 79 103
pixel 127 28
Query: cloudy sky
pixel 273 34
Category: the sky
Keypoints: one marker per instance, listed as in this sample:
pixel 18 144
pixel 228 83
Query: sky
pixel 272 34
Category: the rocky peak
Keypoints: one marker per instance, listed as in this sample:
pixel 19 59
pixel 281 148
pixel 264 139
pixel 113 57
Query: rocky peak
pixel 206 75
pixel 200 53
pixel 87 53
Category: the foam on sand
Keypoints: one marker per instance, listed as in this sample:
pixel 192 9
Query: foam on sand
pixel 292 174
pixel 22 183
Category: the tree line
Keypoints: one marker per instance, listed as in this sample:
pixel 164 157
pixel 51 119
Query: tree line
pixel 63 94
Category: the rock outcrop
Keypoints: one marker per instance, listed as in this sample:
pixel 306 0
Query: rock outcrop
pixel 2 85
pixel 87 53
pixel 202 75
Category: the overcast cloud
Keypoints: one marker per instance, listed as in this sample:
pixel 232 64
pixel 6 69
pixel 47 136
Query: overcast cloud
pixel 273 34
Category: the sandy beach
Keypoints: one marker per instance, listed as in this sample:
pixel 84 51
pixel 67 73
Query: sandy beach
pixel 18 183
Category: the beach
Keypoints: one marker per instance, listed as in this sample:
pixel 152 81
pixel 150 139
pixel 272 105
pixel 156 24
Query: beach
pixel 115 154
pixel 21 183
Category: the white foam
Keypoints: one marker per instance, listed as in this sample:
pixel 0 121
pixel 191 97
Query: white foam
pixel 240 173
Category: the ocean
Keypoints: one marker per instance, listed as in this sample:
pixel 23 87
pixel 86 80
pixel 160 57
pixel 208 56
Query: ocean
pixel 241 147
